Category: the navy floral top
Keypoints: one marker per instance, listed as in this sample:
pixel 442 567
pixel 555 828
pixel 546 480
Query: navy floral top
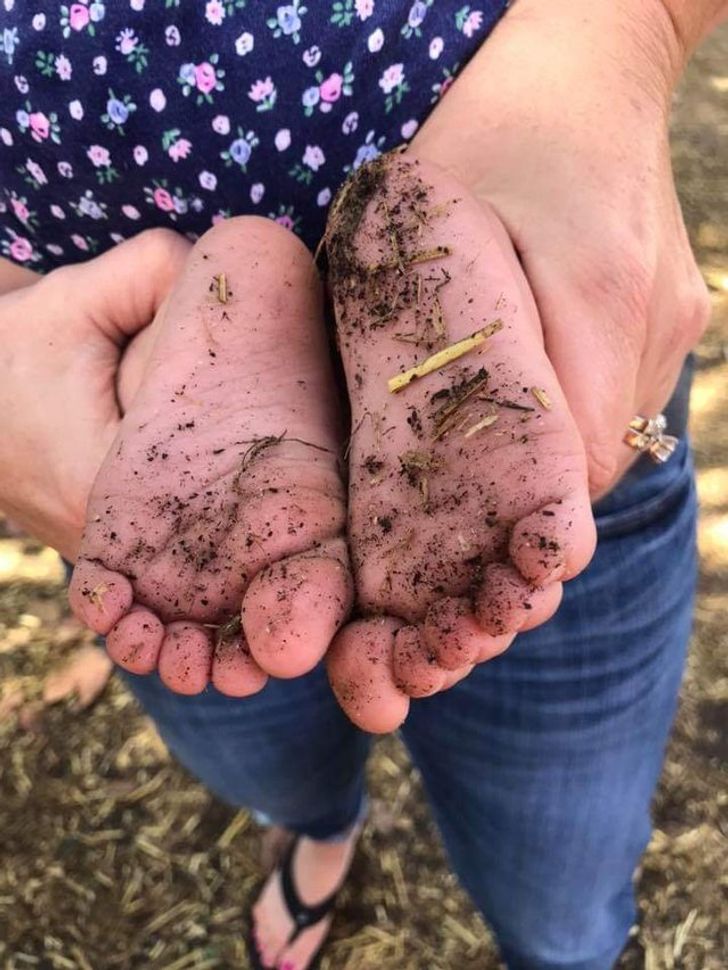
pixel 120 116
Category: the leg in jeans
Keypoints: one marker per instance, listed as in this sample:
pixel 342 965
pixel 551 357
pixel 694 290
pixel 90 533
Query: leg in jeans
pixel 287 753
pixel 541 765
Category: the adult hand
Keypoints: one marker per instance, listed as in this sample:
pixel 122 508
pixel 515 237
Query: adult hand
pixel 561 123
pixel 62 338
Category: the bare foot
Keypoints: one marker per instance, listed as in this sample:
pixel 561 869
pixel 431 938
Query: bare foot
pixel 469 503
pixel 222 488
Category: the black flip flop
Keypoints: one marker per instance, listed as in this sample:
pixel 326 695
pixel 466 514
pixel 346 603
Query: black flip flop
pixel 304 917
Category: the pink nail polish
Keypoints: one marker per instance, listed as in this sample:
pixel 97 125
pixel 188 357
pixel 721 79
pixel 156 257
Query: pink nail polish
pixel 288 965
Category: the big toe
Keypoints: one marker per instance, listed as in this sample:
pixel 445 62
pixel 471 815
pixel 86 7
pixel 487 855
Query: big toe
pixel 98 596
pixel 360 668
pixel 293 609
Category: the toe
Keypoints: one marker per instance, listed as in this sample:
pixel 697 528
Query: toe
pixel 507 603
pixel 135 641
pixel 415 667
pixel 293 609
pixel 359 665
pixel 554 543
pixel 452 633
pixel 98 596
pixel 234 671
pixel 185 658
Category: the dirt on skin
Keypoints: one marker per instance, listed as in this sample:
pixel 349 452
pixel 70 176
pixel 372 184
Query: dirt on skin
pixel 112 857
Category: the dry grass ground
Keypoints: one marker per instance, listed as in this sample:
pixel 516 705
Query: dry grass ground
pixel 111 857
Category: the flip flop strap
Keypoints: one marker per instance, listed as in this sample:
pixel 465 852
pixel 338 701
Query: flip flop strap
pixel 303 916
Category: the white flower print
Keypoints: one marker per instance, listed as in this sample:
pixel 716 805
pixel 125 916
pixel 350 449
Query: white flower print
pixel 409 128
pixel 39 21
pixel 214 12
pixel 392 77
pixel 79 241
pixel 311 97
pixel 141 155
pixel 257 191
pixel 96 12
pixel 157 99
pixel 57 212
pixel 35 171
pixel 436 47
pixel 313 157
pixel 21 83
pixel 221 124
pixel 208 181
pixel 244 44
pixel 324 197
pixel 312 56
pixel 172 36
pixel 283 139
pixel 75 109
pixel 65 169
pixel 23 118
pixel 131 212
pixel 136 4
pixel 375 41
pixel 350 123
pixel 6 137
pixel 99 65
pixel 116 237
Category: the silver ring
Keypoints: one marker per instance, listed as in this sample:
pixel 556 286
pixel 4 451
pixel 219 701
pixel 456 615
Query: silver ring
pixel 647 435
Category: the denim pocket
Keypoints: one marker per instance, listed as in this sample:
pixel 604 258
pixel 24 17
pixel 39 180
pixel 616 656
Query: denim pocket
pixel 641 498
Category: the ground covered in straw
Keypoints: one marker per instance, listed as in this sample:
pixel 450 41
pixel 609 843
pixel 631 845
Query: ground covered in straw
pixel 112 857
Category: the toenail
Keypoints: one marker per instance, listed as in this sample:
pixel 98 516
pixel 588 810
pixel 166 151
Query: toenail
pixel 288 965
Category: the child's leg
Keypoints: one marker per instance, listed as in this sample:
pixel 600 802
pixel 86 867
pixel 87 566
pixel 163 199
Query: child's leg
pixel 223 487
pixel 468 496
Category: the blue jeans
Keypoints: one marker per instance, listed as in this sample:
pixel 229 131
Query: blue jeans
pixel 539 767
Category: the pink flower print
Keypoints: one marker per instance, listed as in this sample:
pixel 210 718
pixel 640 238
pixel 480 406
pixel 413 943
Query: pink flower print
pixel 221 124
pixel 261 90
pixel 284 221
pixel 205 78
pixel 21 250
pixel 330 89
pixel 219 217
pixel 473 22
pixel 180 149
pixel 163 200
pixel 40 126
pixel 79 241
pixel 78 16
pixel 57 212
pixel 20 209
pixel 131 211
pixel 63 67
pixel 392 77
pixel 313 157
pixel 99 155
pixel 257 191
pixel 364 8
pixel 264 93
pixel 127 41
pixel 214 12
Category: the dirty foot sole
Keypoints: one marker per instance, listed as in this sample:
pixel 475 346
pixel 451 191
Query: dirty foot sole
pixel 468 491
pixel 214 542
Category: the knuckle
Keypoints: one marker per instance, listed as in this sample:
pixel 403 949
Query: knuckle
pixel 601 464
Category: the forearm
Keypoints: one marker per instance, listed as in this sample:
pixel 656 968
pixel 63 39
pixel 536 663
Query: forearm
pixel 12 276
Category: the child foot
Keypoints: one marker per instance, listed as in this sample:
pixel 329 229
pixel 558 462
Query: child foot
pixel 222 488
pixel 318 869
pixel 468 493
